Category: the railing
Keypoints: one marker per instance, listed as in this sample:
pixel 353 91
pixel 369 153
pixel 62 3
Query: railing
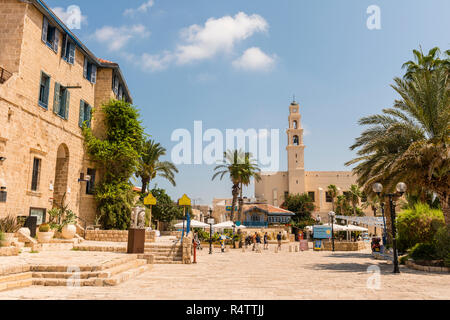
pixel 252 224
pixel 4 75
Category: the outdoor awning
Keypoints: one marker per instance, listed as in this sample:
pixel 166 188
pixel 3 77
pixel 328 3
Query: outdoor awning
pixel 194 224
pixel 227 225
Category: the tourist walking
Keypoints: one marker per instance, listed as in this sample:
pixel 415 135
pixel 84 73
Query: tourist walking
pixel 258 243
pixel 266 241
pixel 254 241
pixel 279 238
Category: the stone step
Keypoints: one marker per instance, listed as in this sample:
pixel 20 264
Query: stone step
pixel 124 276
pixel 89 274
pixel 15 284
pixel 93 282
pixel 15 277
pixel 86 268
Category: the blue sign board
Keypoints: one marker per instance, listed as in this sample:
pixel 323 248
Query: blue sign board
pixel 228 208
pixel 322 232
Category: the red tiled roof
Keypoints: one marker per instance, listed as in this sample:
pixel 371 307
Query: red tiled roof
pixel 106 61
pixel 268 208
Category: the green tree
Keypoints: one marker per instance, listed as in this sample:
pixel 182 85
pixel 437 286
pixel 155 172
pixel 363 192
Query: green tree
pixel 150 167
pixel 354 195
pixel 301 205
pixel 117 158
pixel 429 62
pixel 410 142
pixel 165 210
pixel 333 191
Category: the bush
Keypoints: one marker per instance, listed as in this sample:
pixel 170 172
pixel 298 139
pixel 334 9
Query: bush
pixel 9 224
pixel 44 227
pixel 442 243
pixel 2 237
pixel 418 225
pixel 403 260
pixel 423 251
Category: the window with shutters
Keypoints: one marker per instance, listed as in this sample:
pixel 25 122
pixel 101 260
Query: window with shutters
pixel 35 174
pixel 328 197
pixel 85 114
pixel 44 90
pixel 90 70
pixel 50 35
pixel 312 196
pixel 68 50
pixel 61 101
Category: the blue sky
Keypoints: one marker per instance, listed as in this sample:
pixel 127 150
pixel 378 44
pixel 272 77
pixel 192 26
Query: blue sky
pixel 180 69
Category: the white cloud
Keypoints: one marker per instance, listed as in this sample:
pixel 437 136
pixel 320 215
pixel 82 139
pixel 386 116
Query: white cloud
pixel 71 16
pixel 217 35
pixel 254 59
pixel 117 38
pixel 141 9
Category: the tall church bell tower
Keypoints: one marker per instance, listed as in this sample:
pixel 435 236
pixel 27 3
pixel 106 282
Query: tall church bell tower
pixel 295 151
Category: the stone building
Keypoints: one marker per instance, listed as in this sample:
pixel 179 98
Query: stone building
pixel 50 85
pixel 275 186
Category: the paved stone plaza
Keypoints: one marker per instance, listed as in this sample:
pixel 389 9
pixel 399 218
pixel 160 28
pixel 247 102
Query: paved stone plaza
pixel 267 275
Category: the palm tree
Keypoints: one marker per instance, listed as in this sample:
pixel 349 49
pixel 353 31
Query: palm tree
pixel 410 141
pixel 354 195
pixel 231 166
pixel 150 167
pixel 249 170
pixel 333 191
pixel 429 62
pixel 241 168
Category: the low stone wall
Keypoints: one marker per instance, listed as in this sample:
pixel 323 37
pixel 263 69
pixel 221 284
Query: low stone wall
pixel 187 248
pixel 412 265
pixel 344 246
pixel 115 235
pixel 9 251
pixel 171 233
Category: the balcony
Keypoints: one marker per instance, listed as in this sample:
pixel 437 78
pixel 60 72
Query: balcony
pixel 4 75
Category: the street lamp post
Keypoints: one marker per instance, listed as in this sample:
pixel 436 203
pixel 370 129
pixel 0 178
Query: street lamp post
pixel 401 189
pixel 332 215
pixel 210 222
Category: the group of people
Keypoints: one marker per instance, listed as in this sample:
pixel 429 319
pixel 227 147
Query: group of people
pixel 251 240
pixel 255 241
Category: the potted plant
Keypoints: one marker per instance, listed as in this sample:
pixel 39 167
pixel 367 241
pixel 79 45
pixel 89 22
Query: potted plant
pixel 69 229
pixel 9 226
pixel 45 234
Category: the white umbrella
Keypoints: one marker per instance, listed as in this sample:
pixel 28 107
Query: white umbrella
pixel 337 227
pixel 194 224
pixel 227 225
pixel 356 228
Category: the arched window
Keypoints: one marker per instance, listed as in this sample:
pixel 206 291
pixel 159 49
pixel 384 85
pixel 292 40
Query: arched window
pixel 296 141
pixel 295 124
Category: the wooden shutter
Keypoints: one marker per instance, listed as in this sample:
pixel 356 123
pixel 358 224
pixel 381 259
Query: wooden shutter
pixel 57 98
pixel 81 118
pixel 66 103
pixel 47 90
pixel 56 40
pixel 93 73
pixel 44 30
pixel 64 47
pixel 88 116
pixel 85 70
pixel 71 53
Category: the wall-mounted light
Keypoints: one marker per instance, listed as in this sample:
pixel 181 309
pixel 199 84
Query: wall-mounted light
pixel 84 178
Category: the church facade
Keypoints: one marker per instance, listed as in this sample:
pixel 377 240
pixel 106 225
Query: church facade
pixel 275 186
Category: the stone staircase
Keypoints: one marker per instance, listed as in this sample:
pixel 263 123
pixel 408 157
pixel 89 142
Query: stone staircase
pixel 108 274
pixel 13 277
pixel 165 252
pixel 111 273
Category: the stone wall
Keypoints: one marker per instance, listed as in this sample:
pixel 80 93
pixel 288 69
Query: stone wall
pixel 187 249
pixel 344 246
pixel 116 235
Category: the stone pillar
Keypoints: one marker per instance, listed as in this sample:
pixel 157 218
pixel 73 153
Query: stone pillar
pixel 187 248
